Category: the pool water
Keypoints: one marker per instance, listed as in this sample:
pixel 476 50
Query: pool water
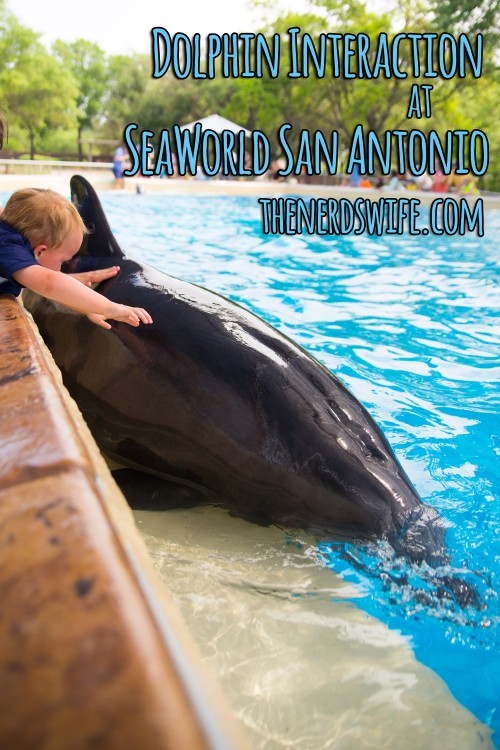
pixel 411 327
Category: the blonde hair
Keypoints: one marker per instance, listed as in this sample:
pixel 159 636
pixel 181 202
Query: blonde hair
pixel 43 217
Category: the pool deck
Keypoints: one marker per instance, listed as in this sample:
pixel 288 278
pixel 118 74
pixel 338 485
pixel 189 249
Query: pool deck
pixel 102 181
pixel 93 651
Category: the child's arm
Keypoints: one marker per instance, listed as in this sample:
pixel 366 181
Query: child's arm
pixel 71 293
pixel 95 277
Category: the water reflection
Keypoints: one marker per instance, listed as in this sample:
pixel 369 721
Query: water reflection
pixel 302 666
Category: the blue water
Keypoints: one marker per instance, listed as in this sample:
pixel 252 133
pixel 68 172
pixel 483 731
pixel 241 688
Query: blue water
pixel 411 326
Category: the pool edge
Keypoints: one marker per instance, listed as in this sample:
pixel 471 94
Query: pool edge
pixel 92 647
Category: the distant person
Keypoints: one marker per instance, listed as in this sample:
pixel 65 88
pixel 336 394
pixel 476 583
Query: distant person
pixel 355 177
pixel 468 186
pixel 175 166
pixel 424 181
pixel 39 231
pixel 439 182
pixel 455 181
pixel 421 181
pixel 365 183
pixel 277 166
pixel 174 163
pixel 119 158
pixel 394 182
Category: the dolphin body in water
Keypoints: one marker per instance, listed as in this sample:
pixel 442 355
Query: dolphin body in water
pixel 217 401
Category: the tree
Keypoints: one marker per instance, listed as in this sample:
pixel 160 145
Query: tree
pixel 379 104
pixel 127 80
pixel 87 63
pixel 171 101
pixel 469 17
pixel 336 103
pixel 35 89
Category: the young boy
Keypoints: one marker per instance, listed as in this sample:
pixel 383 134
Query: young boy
pixel 39 231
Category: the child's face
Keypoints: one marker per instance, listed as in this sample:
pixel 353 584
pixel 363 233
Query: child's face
pixel 54 257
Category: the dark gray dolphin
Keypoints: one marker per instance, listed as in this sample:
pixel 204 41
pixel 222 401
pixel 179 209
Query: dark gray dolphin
pixel 213 398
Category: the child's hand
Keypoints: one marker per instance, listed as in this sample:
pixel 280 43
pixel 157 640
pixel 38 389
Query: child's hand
pixel 95 277
pixel 124 314
pixel 69 292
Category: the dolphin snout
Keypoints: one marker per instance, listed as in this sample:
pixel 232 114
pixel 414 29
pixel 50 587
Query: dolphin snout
pixel 422 537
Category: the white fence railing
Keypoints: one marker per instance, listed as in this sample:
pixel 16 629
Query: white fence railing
pixel 39 166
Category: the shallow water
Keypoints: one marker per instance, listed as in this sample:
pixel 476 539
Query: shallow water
pixel 412 328
pixel 302 666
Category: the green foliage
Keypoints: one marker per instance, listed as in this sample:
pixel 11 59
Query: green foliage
pixel 87 63
pixel 168 101
pixel 483 112
pixel 36 91
pixel 330 103
pixel 255 104
pixel 126 85
pixel 51 99
pixel 59 142
pixel 379 104
pixel 469 17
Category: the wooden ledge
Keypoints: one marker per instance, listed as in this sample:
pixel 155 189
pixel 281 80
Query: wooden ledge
pixel 93 653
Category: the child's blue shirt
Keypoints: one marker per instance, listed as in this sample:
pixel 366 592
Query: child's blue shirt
pixel 15 253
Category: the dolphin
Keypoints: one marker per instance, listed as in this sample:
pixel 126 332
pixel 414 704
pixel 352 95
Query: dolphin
pixel 226 408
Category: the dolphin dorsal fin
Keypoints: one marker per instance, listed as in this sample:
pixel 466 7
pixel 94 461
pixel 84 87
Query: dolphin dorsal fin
pixel 100 242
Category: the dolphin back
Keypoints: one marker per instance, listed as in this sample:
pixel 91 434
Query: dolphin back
pixel 213 397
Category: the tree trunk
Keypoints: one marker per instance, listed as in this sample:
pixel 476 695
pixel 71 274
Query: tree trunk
pixel 251 118
pixel 80 149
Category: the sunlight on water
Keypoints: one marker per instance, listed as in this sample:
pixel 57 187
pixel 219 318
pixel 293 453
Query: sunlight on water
pixel 301 665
